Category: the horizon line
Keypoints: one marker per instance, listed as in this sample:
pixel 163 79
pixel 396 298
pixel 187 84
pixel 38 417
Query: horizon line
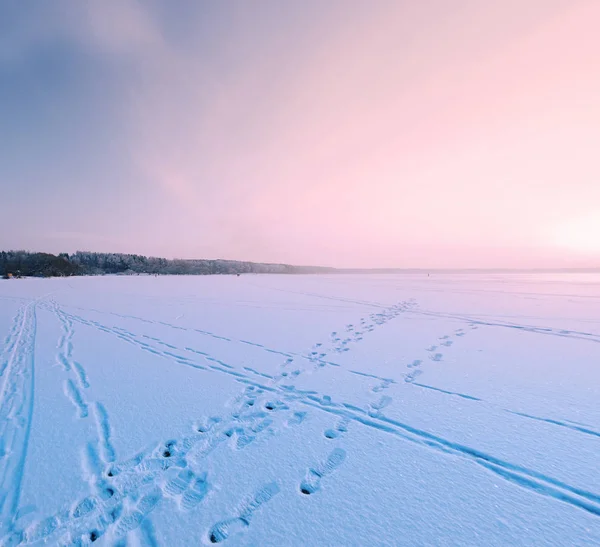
pixel 333 269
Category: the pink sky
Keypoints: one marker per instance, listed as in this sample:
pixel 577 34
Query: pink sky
pixel 383 134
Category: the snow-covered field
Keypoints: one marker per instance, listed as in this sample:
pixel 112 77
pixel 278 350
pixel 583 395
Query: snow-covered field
pixel 301 410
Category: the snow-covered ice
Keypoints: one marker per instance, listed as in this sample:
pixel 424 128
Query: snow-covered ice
pixel 301 410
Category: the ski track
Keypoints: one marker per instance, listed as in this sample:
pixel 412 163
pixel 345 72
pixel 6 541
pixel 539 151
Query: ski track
pixel 99 451
pixel 16 411
pixel 10 339
pixel 124 493
pixel 549 331
pixel 103 510
pixel 573 426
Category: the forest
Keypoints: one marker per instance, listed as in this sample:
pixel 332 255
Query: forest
pixel 17 264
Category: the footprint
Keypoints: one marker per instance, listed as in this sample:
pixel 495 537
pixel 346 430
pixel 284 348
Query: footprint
pixel 379 405
pixel 206 424
pixel 76 397
pixel 312 481
pixel 412 376
pixel 261 425
pixel 296 418
pixel 385 383
pixel 222 530
pixel 134 517
pixel 195 494
pixel 179 483
pixel 340 428
pixel 94 535
pixel 169 449
pixel 243 439
pixel 437 357
pixel 42 529
pixel 84 507
pixel 262 496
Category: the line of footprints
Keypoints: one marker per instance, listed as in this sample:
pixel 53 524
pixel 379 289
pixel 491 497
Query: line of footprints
pixel 188 489
pixel 434 355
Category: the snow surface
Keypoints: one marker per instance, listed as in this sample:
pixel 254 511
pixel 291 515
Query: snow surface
pixel 301 410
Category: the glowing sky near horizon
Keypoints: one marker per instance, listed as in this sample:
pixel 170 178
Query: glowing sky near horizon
pixel 336 132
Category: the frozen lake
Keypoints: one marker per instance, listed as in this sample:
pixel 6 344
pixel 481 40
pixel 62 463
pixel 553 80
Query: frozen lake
pixel 300 410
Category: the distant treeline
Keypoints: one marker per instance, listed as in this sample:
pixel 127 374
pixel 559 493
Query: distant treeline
pixel 27 264
pixel 23 263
